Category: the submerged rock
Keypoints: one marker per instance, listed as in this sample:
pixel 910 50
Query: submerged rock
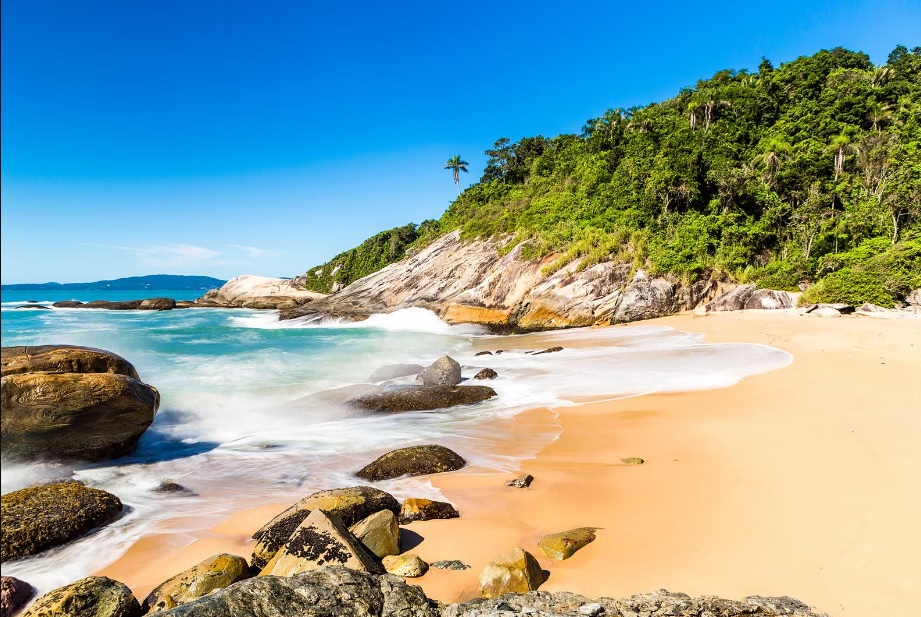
pixel 486 373
pixel 422 398
pixel 420 509
pixel 94 596
pixel 338 396
pixel 445 371
pixel 211 574
pixel 320 540
pixel 514 571
pixel 14 594
pixel 564 544
pixel 412 461
pixel 350 504
pixel 42 517
pixel 394 371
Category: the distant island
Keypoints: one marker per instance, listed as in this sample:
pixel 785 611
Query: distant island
pixel 169 282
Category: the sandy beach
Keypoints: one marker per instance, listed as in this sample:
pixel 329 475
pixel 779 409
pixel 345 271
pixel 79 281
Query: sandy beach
pixel 801 482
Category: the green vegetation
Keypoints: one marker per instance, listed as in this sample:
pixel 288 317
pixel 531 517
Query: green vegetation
pixel 809 173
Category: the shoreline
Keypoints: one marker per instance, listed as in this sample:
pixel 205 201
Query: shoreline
pixel 807 496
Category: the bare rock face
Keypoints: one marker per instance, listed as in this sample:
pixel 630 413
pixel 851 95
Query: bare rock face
pixel 321 539
pixel 646 299
pixel 412 461
pixel 380 533
pixel 422 398
pixel 42 517
pixel 14 594
pixel 211 574
pixel 514 571
pixel 420 509
pixel 732 300
pixel 330 591
pixel 95 596
pixel 445 371
pixel 350 504
pixel 771 299
pixel 258 292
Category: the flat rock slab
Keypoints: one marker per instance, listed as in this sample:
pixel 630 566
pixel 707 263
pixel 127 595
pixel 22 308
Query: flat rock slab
pixel 412 461
pixel 42 517
pixel 564 544
pixel 420 509
pixel 422 398
pixel 395 371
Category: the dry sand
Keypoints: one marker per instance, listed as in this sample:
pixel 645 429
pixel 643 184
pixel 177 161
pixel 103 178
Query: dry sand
pixel 802 481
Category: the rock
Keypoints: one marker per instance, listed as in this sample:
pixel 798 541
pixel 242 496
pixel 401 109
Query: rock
pixel 350 504
pixel 871 308
pixel 548 350
pixel 445 371
pixel 914 298
pixel 67 304
pixel 486 373
pixel 331 591
pixel 422 398
pixel 338 396
pixel 450 564
pixel 483 353
pixel 157 304
pixel 632 460
pixel 514 571
pixel 14 594
pixel 379 533
pixel 182 304
pixel 407 566
pixel 126 305
pixel 732 300
pixel 168 486
pixel 841 307
pixel 211 574
pixel 564 544
pixel 771 299
pixel 87 416
pixel 824 311
pixel 259 292
pixel 42 517
pixel 412 461
pixel 701 311
pixel 394 371
pixel 419 509
pixel 592 609
pixel 62 359
pixel 522 482
pixel 321 539
pixel 32 306
pixel 646 299
pixel 94 596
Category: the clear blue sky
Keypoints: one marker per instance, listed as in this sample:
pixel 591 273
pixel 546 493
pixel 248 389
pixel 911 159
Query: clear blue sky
pixel 222 138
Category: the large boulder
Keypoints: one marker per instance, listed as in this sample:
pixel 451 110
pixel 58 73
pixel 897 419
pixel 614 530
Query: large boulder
pixel 395 371
pixel 421 509
pixel 771 299
pixel 350 504
pixel 211 574
pixel 157 304
pixel 94 596
pixel 412 461
pixel 380 533
pixel 564 544
pixel 422 398
pixel 322 539
pixel 645 299
pixel 87 416
pixel 914 298
pixel 732 300
pixel 62 359
pixel 514 571
pixel 328 592
pixel 42 517
pixel 14 594
pixel 445 371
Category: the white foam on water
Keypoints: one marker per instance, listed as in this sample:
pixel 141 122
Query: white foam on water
pixel 234 429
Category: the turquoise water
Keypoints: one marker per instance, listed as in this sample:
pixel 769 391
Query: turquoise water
pixel 232 426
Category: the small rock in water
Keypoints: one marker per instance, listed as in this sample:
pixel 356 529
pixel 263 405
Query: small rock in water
pixel 498 351
pixel 632 460
pixel 548 350
pixel 486 373
pixel 522 482
pixel 445 371
pixel 412 461
pixel 450 564
pixel 168 486
pixel 14 594
pixel 483 353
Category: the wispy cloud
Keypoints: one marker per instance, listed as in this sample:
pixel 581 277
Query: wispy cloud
pixel 170 255
pixel 256 252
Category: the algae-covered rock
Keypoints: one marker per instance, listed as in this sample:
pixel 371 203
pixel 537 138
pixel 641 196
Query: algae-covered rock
pixel 42 517
pixel 514 571
pixel 445 371
pixel 407 566
pixel 412 461
pixel 379 532
pixel 450 564
pixel 486 373
pixel 562 545
pixel 213 573
pixel 14 594
pixel 94 596
pixel 422 398
pixel 321 540
pixel 420 509
pixel 350 504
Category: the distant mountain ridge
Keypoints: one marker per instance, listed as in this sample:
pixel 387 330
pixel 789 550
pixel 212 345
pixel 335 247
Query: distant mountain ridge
pixel 168 282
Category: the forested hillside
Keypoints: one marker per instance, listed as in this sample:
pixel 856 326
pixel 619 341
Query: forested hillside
pixel 804 175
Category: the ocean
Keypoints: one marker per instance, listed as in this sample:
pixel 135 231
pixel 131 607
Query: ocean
pixel 231 427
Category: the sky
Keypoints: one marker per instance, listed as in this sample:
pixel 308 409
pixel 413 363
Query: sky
pixel 225 138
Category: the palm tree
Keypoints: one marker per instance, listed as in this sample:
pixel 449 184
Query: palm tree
pixel 776 150
pixel 456 165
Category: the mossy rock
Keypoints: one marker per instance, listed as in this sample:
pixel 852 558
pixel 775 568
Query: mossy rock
pixel 42 517
pixel 420 509
pixel 94 596
pixel 412 461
